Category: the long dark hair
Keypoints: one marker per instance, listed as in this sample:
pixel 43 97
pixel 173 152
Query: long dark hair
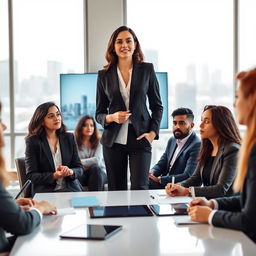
pixel 94 139
pixel 35 126
pixel 111 56
pixel 225 125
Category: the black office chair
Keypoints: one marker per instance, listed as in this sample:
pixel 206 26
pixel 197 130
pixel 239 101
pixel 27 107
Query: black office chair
pixel 21 171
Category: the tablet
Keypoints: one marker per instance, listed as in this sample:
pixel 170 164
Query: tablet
pixel 169 209
pixel 94 232
pixel 120 211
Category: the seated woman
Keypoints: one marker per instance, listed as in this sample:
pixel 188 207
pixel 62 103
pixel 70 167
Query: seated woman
pixel 52 161
pixel 239 211
pixel 217 157
pixel 90 153
pixel 17 218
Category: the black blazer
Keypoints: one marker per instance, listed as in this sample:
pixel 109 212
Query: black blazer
pixel 14 220
pixel 109 100
pixel 222 173
pixel 239 212
pixel 40 166
pixel 185 162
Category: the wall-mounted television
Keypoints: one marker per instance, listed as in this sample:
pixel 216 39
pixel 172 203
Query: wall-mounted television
pixel 78 97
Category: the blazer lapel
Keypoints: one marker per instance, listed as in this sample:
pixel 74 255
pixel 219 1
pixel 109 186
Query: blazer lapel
pixel 48 153
pixel 64 148
pixel 171 151
pixel 216 162
pixel 186 144
pixel 114 82
pixel 134 80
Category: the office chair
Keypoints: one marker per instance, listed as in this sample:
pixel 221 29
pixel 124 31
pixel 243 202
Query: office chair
pixel 21 171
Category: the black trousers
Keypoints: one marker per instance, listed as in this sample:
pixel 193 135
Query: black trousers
pixel 94 178
pixel 137 153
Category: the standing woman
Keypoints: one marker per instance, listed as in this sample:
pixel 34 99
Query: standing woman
pixel 217 157
pixel 237 212
pixel 16 217
pixel 52 161
pixel 123 87
pixel 90 153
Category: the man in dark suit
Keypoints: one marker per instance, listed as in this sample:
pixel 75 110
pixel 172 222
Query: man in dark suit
pixel 180 157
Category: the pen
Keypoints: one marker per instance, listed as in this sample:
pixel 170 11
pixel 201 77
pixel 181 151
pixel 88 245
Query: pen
pixel 25 186
pixel 152 197
pixel 193 193
pixel 173 180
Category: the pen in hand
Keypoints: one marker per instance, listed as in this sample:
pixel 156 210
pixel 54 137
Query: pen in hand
pixel 193 194
pixel 173 180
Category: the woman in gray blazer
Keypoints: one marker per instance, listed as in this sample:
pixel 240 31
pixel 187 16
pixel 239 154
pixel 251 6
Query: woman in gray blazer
pixel 16 217
pixel 216 166
pixel 239 211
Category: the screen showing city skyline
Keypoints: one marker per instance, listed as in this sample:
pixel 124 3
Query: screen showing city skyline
pixel 78 97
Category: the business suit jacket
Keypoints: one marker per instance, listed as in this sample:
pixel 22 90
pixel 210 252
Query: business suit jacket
pixel 185 163
pixel 109 100
pixel 40 165
pixel 14 220
pixel 239 212
pixel 222 173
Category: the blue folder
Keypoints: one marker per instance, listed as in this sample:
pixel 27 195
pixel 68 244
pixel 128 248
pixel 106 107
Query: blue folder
pixel 84 201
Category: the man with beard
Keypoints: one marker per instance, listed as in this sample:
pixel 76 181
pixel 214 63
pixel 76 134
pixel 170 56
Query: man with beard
pixel 180 157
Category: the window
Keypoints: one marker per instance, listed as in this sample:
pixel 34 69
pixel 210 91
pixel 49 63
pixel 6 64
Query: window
pixel 48 39
pixel 193 42
pixel 4 73
pixel 247 36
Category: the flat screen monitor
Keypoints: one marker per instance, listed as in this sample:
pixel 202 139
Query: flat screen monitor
pixel 78 97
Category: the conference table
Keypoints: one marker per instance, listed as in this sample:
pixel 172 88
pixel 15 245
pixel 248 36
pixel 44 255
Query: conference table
pixel 151 235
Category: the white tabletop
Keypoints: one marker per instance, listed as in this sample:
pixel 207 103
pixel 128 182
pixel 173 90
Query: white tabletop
pixel 140 235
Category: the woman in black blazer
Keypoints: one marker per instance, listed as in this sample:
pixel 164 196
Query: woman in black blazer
pixel 217 158
pixel 52 161
pixel 123 87
pixel 16 217
pixel 237 212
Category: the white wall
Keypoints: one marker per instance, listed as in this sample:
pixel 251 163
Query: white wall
pixel 103 17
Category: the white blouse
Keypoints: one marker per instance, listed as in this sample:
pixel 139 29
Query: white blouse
pixel 125 92
pixel 60 183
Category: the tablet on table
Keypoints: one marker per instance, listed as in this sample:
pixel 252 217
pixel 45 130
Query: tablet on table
pixel 94 232
pixel 120 211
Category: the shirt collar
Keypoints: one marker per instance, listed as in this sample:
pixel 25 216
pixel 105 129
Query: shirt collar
pixel 183 141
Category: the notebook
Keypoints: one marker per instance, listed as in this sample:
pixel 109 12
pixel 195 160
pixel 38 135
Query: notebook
pixel 84 201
